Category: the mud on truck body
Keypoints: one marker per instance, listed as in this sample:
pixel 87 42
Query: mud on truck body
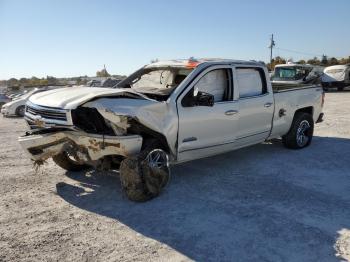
pixel 166 113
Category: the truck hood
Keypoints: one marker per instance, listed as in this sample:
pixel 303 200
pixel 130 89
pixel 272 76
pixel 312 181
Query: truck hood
pixel 72 97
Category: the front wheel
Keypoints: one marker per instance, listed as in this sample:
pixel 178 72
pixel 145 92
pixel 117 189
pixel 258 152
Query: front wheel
pixel 20 111
pixel 301 133
pixel 143 177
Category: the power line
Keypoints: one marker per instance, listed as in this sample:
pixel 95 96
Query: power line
pixel 297 52
pixel 305 53
pixel 273 45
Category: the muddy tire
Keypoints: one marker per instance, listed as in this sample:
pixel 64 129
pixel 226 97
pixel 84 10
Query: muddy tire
pixel 141 180
pixel 301 133
pixel 63 161
pixel 20 111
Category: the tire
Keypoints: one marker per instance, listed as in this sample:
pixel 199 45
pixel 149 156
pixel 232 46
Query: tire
pixel 63 161
pixel 301 132
pixel 140 180
pixel 20 111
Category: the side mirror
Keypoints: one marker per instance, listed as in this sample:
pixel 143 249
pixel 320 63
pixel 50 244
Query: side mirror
pixel 203 99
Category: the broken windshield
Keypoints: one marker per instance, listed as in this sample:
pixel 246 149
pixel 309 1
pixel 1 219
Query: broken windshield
pixel 157 81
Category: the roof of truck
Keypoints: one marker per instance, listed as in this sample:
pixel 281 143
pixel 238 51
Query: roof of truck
pixel 192 62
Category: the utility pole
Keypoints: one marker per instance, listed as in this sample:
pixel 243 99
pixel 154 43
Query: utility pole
pixel 272 44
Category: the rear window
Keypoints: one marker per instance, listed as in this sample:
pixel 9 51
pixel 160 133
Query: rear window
pixel 250 82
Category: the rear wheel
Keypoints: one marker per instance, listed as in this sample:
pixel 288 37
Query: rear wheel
pixel 68 163
pixel 20 111
pixel 301 132
pixel 143 177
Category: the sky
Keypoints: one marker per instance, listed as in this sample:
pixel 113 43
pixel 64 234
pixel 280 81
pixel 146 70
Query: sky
pixel 65 38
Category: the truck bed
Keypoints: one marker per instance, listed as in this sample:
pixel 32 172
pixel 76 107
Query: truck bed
pixel 290 98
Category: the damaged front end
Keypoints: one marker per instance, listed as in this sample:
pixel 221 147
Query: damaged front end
pixel 85 148
pixel 99 131
pixel 106 139
pixel 82 133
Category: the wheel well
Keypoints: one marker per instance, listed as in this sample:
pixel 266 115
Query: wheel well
pixel 148 135
pixel 308 110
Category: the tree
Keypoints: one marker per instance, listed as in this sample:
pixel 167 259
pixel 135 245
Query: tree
pixel 12 82
pixel 276 61
pixel 43 82
pixel 314 61
pixel 333 61
pixel 302 61
pixel 103 73
pixel 51 80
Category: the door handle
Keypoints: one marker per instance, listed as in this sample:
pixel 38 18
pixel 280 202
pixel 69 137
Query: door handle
pixel 268 104
pixel 231 112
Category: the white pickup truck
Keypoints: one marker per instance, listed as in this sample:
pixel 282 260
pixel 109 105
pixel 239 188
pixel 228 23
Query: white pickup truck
pixel 167 113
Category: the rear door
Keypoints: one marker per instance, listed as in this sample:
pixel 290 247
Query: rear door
pixel 203 130
pixel 256 106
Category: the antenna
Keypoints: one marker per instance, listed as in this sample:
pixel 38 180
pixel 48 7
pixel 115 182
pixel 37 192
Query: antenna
pixel 272 44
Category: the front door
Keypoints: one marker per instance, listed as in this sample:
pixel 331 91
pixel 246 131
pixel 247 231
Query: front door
pixel 208 130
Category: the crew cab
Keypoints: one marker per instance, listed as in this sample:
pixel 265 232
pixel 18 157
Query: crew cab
pixel 167 113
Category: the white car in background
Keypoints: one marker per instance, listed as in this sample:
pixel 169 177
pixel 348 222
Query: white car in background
pixel 17 106
pixel 337 76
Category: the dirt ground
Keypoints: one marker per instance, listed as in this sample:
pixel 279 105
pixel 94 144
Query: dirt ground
pixel 262 203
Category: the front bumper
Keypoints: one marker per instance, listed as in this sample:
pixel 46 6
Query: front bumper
pixel 88 147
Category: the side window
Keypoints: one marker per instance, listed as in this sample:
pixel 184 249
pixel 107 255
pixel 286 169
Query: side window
pixel 251 82
pixel 216 83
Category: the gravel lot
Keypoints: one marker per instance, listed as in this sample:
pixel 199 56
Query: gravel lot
pixel 262 203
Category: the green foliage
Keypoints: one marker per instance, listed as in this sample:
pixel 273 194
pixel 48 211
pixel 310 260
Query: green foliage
pixel 102 73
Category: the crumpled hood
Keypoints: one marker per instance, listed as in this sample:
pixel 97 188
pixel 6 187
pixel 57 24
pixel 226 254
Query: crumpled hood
pixel 72 97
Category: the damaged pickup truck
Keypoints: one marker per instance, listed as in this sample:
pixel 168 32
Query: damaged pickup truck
pixel 166 113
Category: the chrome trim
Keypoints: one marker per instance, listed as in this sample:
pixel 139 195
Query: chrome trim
pixel 222 144
pixel 231 112
pixel 249 97
pixel 53 109
pixel 63 116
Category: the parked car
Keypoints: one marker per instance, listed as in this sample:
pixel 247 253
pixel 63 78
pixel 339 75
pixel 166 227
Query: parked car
pixel 297 74
pixel 337 76
pixel 167 113
pixel 17 106
pixel 109 82
pixel 4 99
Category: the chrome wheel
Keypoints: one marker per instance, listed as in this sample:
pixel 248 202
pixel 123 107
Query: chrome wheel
pixel 157 158
pixel 158 162
pixel 302 133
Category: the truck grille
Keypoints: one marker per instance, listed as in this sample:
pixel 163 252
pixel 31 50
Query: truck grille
pixel 51 114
